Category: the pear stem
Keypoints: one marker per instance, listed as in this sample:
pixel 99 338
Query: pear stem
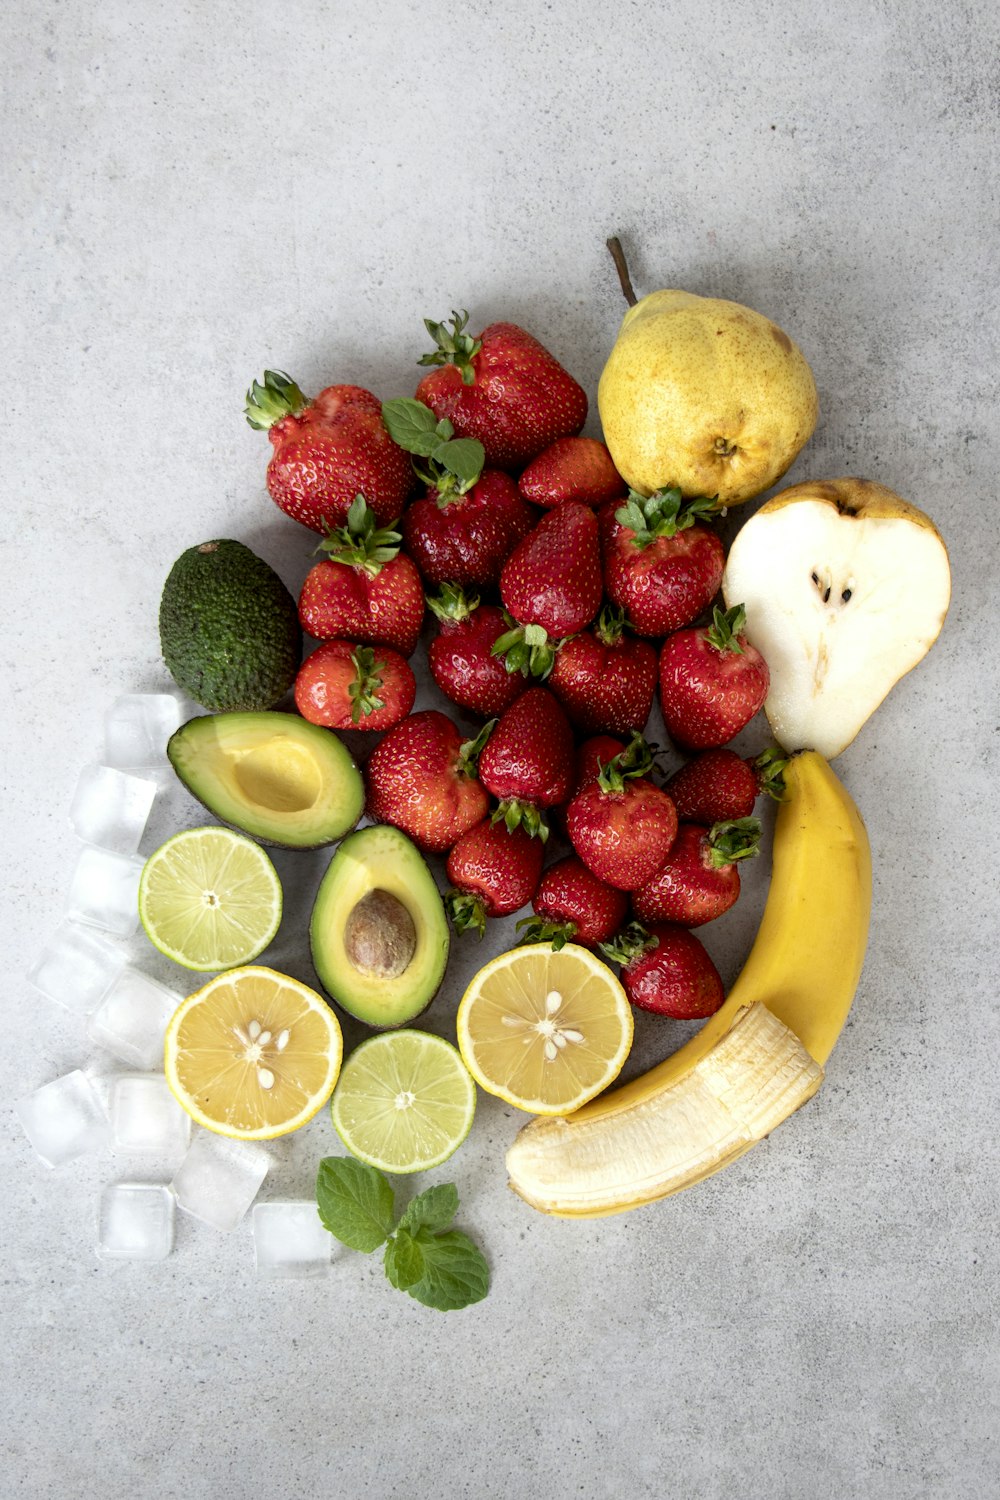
pixel 621 266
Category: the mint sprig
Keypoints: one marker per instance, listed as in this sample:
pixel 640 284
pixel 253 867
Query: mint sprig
pixel 432 1263
pixel 453 464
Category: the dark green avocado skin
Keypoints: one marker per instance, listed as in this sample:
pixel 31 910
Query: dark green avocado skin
pixel 229 629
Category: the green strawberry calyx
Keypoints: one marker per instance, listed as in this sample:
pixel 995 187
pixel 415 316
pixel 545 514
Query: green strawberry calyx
pixel 449 464
pixel 454 346
pixel 466 911
pixel 736 838
pixel 770 769
pixel 635 760
pixel 528 649
pixel 609 627
pixel 278 397
pixel 514 813
pixel 663 513
pixel 470 750
pixel 726 628
pixel 452 603
pixel 629 944
pixel 361 542
pixel 363 691
pixel 542 930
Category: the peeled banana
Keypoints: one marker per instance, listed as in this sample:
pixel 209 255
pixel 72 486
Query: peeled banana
pixel 752 1063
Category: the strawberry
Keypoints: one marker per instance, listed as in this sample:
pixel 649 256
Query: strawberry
pixel 661 565
pixel 718 785
pixel 502 388
pixel 604 679
pixel 712 681
pixel 666 970
pixel 346 686
pixel 592 756
pixel 494 870
pixel 572 468
pixel 527 763
pixel 471 518
pixel 326 451
pixel 700 879
pixel 572 905
pixel 366 590
pixel 461 655
pixel 551 584
pixel 621 825
pixel 421 778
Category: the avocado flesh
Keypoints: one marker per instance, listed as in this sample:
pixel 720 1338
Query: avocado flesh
pixel 280 779
pixel 379 859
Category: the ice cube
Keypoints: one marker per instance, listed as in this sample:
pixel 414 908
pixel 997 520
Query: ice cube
pixel 64 1119
pixel 104 891
pixel 219 1179
pixel 137 728
pixel 132 1019
pixel 110 808
pixel 77 968
pixel 289 1240
pixel 136 1221
pixel 145 1116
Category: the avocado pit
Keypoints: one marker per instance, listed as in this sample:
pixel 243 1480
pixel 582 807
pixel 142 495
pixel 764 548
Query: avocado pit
pixel 380 937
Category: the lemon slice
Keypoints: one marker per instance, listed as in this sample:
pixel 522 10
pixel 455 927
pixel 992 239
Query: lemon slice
pixel 545 1031
pixel 404 1102
pixel 253 1054
pixel 209 899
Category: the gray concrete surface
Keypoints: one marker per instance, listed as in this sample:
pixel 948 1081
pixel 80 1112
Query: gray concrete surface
pixel 194 192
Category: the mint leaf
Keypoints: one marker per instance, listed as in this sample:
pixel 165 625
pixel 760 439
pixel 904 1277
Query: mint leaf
pixel 434 1208
pixel 355 1202
pixel 463 457
pixel 403 1261
pixel 411 425
pixel 455 1274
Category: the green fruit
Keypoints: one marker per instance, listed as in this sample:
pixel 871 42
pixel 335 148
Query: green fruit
pixel 404 1102
pixel 378 932
pixel 229 629
pixel 275 776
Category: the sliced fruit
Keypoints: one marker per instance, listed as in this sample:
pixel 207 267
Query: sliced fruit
pixel 846 587
pixel 545 1030
pixel 405 1101
pixel 274 776
pixel 253 1054
pixel 378 932
pixel 210 899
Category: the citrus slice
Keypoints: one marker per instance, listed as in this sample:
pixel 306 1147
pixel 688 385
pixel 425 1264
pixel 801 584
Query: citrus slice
pixel 253 1054
pixel 404 1102
pixel 545 1031
pixel 209 899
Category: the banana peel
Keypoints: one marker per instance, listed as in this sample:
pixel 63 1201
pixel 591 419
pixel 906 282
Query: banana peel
pixel 757 1059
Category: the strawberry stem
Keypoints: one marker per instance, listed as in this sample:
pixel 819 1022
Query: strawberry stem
pixel 361 542
pixel 635 760
pixel 517 814
pixel 452 603
pixel 470 751
pixel 527 649
pixel 738 838
pixel 614 244
pixel 454 346
pixel 541 930
pixel 770 770
pixel 363 691
pixel 277 398
pixel 663 513
pixel 466 910
pixel 724 631
pixel 629 944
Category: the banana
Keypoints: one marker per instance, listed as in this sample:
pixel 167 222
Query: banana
pixel 752 1063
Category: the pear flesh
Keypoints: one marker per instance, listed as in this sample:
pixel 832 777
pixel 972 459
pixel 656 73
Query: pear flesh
pixel 704 395
pixel 846 587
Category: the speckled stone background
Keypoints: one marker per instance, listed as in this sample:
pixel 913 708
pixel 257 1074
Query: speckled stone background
pixel 195 191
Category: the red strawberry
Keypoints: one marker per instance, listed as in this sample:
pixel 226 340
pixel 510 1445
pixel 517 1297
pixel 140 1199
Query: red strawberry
pixel 712 681
pixel 700 879
pixel 346 686
pixel 527 763
pixel 551 585
pixel 621 825
pixel 604 679
pixel 367 590
pixel 660 566
pixel 572 905
pixel 327 451
pixel 421 778
pixel 461 655
pixel 572 468
pixel 719 785
pixel 502 388
pixel 493 870
pixel 666 970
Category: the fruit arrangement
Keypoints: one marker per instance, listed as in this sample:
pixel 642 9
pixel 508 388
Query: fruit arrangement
pixel 562 584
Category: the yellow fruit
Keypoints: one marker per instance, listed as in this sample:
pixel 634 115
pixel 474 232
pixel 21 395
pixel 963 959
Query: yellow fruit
pixel 752 1063
pixel 253 1054
pixel 545 1031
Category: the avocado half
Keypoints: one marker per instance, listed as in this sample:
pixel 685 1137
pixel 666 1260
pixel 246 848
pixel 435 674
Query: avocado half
pixel 277 777
pixel 379 934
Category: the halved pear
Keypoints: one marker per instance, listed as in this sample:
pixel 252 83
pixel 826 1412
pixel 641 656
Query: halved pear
pixel 846 587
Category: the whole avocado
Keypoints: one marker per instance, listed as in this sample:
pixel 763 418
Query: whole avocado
pixel 229 629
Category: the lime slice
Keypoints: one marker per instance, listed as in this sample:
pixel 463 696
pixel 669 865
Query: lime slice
pixel 545 1030
pixel 404 1102
pixel 210 899
pixel 253 1054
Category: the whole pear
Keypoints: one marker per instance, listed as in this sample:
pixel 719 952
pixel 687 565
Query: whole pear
pixel 704 395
